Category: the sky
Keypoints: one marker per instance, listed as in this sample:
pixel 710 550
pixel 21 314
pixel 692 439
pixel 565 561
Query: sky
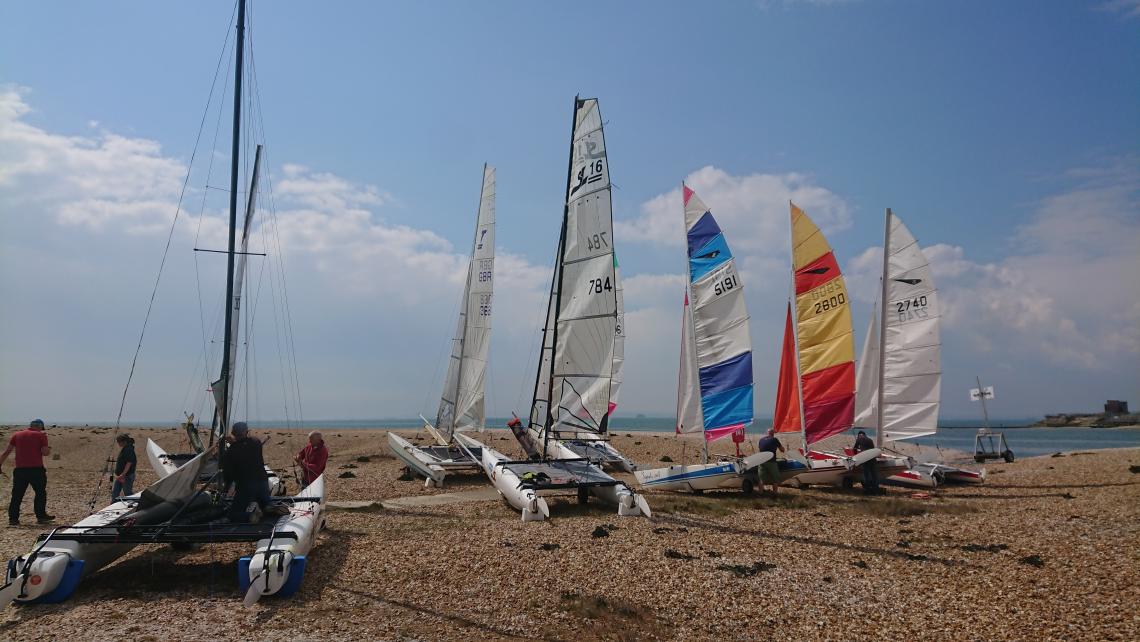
pixel 1004 134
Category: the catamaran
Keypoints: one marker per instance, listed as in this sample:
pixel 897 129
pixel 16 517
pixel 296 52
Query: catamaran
pixel 597 449
pixel 179 509
pixel 714 387
pixel 573 385
pixel 816 390
pixel 461 405
pixel 898 387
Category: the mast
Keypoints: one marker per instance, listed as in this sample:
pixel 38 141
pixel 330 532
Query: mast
pixel 561 273
pixel 796 329
pixel 982 398
pixel 883 329
pixel 224 410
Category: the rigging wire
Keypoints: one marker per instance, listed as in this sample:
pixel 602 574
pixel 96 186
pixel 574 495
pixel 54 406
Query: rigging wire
pixel 157 281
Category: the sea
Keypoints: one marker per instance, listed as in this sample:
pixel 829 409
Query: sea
pixel 953 434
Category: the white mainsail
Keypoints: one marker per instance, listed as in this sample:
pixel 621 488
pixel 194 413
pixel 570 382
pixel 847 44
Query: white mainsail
pixel 461 405
pixel 689 417
pixel 576 363
pixel 901 372
pixel 225 382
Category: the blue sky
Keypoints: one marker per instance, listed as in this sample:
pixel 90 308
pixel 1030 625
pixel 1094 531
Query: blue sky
pixel 1005 135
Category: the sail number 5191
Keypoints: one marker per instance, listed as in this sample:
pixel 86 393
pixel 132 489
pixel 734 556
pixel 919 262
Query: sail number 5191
pixel 726 284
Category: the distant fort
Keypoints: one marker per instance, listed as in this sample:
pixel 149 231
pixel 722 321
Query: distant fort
pixel 1115 414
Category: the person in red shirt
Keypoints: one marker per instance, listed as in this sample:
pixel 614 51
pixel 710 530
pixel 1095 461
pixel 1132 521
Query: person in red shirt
pixel 312 458
pixel 31 446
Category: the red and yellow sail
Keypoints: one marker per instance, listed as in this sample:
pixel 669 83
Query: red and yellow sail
pixel 826 364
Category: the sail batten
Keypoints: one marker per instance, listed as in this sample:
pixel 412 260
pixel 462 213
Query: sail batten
pixel 714 390
pixel 462 404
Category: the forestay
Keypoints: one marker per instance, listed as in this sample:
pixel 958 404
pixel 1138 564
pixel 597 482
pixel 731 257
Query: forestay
pixel 576 365
pixel 461 405
pixel 909 385
pixel 715 393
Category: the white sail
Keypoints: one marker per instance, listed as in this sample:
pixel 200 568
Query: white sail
pixel 226 380
pixel 689 416
pixel 867 376
pixel 580 340
pixel 909 385
pixel 619 340
pixel 461 405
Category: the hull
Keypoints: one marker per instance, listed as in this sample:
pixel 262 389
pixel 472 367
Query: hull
pixel 432 462
pixel 525 500
pixel 954 475
pixel 415 460
pixel 694 478
pixel 278 563
pixel 834 469
pixel 52 572
pixel 530 501
pixel 916 477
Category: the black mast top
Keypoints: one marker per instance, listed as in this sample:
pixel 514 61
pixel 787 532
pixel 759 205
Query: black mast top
pixel 224 408
pixel 558 300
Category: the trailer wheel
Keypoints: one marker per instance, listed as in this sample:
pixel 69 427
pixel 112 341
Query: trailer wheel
pixel 583 495
pixel 1007 456
pixel 939 478
pixel 747 486
pixel 847 483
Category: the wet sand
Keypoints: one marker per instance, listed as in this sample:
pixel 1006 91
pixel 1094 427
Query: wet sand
pixel 1047 549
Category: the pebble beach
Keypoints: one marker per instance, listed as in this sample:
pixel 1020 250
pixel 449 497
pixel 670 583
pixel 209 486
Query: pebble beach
pixel 1048 548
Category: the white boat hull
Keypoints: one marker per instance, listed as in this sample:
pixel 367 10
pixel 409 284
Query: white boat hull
pixel 415 459
pixel 277 564
pixel 51 572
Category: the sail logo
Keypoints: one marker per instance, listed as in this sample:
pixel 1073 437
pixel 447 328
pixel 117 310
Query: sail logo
pixel 909 281
pixel 479 245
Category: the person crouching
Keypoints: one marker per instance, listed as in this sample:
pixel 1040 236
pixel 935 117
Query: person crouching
pixel 244 467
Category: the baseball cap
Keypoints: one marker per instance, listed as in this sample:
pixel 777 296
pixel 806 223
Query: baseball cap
pixel 39 423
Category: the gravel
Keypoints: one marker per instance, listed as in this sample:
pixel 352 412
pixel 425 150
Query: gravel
pixel 817 563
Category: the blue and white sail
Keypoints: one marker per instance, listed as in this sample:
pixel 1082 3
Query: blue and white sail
pixel 715 395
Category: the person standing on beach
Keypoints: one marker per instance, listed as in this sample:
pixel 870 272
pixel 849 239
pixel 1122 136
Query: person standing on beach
pixel 312 458
pixel 871 468
pixel 244 467
pixel 31 446
pixel 770 470
pixel 123 483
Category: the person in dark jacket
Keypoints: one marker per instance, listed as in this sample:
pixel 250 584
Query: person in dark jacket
pixel 871 468
pixel 770 470
pixel 123 483
pixel 244 467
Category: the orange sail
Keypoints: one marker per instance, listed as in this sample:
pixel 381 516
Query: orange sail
pixel 787 415
pixel 823 333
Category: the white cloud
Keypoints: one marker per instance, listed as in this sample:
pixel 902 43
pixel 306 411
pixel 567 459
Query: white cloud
pixel 752 209
pixel 1126 8
pixel 1067 289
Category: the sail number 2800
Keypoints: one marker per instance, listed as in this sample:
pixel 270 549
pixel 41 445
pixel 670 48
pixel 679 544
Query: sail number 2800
pixel 830 303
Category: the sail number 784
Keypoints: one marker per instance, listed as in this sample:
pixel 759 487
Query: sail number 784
pixel 597 286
